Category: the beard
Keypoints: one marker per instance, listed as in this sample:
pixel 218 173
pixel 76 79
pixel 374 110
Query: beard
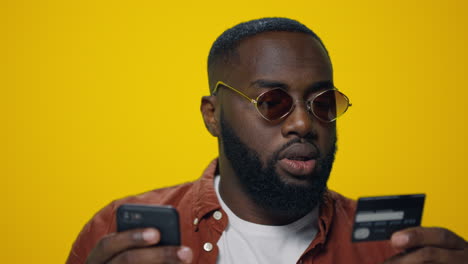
pixel 264 185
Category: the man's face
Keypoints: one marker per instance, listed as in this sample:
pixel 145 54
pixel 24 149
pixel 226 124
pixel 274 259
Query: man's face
pixel 283 165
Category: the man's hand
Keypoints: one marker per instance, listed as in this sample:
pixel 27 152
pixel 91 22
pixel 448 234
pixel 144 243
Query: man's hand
pixel 132 247
pixel 428 245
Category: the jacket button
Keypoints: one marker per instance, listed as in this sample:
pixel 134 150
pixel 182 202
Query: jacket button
pixel 217 215
pixel 208 246
pixel 195 221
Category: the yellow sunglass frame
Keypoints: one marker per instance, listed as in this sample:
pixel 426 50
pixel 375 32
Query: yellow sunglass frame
pixel 309 108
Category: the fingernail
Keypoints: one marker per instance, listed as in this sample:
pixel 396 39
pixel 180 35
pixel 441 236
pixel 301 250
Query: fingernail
pixel 400 239
pixel 185 254
pixel 149 235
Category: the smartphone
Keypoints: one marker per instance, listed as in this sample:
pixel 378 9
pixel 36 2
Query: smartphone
pixel 163 218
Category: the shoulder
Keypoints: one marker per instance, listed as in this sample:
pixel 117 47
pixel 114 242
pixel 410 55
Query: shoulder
pixel 103 222
pixel 344 207
pixel 165 196
pixel 173 196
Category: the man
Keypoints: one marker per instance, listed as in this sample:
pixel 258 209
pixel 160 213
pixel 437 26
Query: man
pixel 273 108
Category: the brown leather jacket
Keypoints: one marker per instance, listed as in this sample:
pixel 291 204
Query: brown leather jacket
pixel 197 203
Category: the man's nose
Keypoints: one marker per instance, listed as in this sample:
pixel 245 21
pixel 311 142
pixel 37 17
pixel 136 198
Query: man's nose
pixel 298 122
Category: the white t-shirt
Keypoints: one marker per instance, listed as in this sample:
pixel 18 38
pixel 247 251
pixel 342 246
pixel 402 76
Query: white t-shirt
pixel 245 242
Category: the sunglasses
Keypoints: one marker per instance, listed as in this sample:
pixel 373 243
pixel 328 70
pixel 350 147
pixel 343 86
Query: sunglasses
pixel 276 103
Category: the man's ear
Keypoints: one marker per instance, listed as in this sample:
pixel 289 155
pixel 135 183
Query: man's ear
pixel 208 109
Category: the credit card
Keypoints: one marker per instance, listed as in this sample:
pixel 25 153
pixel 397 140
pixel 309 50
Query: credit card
pixel 377 218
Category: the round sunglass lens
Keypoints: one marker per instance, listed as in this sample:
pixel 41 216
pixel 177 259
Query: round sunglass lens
pixel 274 104
pixel 330 105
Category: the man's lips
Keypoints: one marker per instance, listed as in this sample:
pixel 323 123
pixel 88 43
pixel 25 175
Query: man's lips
pixel 299 159
pixel 298 167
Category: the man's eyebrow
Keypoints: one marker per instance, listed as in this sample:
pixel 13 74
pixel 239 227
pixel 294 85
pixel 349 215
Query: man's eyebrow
pixel 269 84
pixel 277 84
pixel 320 85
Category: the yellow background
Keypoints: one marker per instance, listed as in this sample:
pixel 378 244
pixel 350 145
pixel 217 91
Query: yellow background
pixel 100 99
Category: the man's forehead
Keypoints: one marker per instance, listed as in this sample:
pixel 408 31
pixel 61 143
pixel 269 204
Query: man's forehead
pixel 281 52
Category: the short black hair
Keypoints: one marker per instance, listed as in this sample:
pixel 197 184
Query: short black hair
pixel 225 45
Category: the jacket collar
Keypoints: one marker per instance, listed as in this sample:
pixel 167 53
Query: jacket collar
pixel 204 199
